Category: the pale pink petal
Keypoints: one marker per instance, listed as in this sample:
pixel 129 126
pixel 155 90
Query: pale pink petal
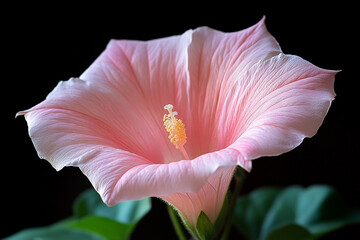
pixel 165 179
pixel 109 125
pixel 208 199
pixel 70 138
pixel 242 79
pixel 94 111
pixel 146 76
pixel 156 69
pixel 275 104
pixel 126 89
pixel 216 61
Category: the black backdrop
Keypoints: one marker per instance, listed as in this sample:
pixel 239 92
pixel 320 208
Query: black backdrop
pixel 43 44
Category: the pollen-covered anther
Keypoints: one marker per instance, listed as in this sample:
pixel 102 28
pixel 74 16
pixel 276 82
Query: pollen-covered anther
pixel 175 127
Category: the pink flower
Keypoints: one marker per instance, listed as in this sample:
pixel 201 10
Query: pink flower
pixel 238 96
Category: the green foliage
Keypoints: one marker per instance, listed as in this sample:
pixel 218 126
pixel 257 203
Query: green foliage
pixel 104 227
pixel 289 231
pixel 204 228
pixel 53 233
pixel 220 221
pixel 129 212
pixel 293 213
pixel 92 220
pixel 266 214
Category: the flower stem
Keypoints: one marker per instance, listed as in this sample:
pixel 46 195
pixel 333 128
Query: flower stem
pixel 239 177
pixel 176 223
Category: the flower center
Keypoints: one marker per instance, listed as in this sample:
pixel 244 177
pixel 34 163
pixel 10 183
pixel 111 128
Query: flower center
pixel 176 129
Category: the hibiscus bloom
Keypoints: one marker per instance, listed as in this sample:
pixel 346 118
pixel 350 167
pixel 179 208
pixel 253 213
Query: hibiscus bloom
pixel 237 95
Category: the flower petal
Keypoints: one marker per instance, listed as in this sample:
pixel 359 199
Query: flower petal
pixel 94 124
pixel 276 104
pixel 126 89
pixel 110 123
pixel 157 69
pixel 147 76
pixel 216 59
pixel 165 179
pixel 208 199
pixel 63 137
pixel 70 138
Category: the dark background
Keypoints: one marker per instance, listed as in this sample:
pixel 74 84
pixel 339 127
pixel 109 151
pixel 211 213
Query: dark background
pixel 43 44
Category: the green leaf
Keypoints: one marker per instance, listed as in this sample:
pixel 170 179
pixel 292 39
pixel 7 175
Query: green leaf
pixel 322 210
pixel 290 231
pixel 113 223
pixel 307 212
pixel 89 203
pixel 93 220
pixel 204 227
pixel 219 222
pixel 282 211
pixel 310 202
pixel 105 227
pixel 53 233
pixel 251 210
pixel 130 212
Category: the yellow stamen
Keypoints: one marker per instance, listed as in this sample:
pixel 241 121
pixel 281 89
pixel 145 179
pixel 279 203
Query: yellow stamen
pixel 176 129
